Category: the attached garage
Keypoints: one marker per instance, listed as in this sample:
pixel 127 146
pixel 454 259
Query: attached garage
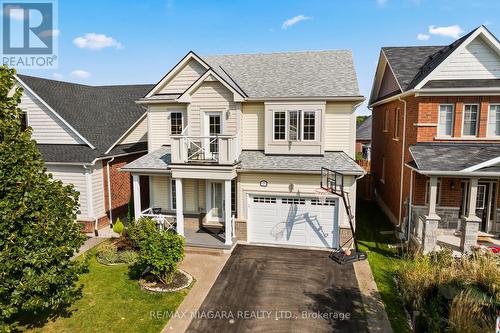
pixel 293 220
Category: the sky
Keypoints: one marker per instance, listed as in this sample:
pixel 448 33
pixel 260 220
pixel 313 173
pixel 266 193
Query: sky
pixel 127 42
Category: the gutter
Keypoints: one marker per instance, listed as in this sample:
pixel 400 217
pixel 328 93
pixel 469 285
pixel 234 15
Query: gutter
pixel 402 163
pixel 109 192
pixel 467 174
pixel 90 204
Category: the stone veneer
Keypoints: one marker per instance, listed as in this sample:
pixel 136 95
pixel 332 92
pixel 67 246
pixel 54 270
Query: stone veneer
pixel 449 217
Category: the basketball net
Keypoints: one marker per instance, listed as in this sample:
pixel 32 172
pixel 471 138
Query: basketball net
pixel 322 195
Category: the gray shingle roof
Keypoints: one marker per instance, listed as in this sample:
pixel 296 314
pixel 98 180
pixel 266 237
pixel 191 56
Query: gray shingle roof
pixel 158 159
pixel 289 74
pixel 412 64
pixel 335 160
pixel 451 157
pixel 469 83
pixel 364 130
pixel 101 114
pixel 258 161
pixel 67 153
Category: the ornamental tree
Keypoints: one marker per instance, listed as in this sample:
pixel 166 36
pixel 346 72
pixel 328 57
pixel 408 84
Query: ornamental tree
pixel 38 232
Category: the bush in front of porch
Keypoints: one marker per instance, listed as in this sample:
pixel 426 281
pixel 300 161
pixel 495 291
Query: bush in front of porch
pixel 450 294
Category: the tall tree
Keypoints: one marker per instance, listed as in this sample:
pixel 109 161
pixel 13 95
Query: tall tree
pixel 38 232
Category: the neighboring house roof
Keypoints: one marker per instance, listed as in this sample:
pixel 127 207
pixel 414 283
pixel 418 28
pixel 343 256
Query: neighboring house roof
pixel 452 157
pixel 464 83
pixel 257 161
pixel 101 114
pixel 364 130
pixel 289 74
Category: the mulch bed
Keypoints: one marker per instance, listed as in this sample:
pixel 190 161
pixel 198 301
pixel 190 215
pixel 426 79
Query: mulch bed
pixel 181 280
pixel 123 243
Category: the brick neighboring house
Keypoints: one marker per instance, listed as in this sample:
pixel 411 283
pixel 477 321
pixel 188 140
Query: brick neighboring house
pixel 84 131
pixel 436 138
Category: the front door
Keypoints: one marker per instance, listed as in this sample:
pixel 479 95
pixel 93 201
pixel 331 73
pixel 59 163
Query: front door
pixel 485 203
pixel 213 127
pixel 215 210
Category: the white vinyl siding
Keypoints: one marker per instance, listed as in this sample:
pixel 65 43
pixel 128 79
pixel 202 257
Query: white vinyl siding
pixel 72 174
pixel 98 190
pixel 494 120
pixel 47 127
pixel 138 134
pixel 340 128
pixel 160 190
pixel 159 124
pixel 252 126
pixel 186 76
pixel 190 195
pixel 476 61
pixel 471 119
pixel 213 96
pixel 445 122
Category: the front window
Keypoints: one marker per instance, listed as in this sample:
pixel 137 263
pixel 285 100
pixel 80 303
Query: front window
pixel 280 125
pixel 494 120
pixel 309 125
pixel 173 195
pixel 176 123
pixel 386 121
pixel 396 123
pixel 445 122
pixel 481 196
pixel 470 119
pixel 294 126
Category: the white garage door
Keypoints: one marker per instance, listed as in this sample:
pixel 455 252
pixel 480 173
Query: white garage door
pixel 293 221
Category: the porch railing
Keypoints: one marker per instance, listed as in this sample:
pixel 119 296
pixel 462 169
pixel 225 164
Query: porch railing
pixel 164 221
pixel 218 149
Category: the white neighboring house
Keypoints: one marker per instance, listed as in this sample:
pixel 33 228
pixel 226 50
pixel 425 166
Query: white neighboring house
pixel 236 144
pixel 84 131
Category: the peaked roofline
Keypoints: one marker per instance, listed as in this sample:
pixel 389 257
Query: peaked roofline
pixel 53 111
pixel 184 96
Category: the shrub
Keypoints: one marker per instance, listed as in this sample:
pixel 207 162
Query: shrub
pixel 128 257
pixel 107 254
pixel 162 252
pixel 130 210
pixel 141 230
pixel 118 226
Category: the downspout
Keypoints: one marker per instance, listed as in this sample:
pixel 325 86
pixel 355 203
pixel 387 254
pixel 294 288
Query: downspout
pixel 109 192
pixel 90 204
pixel 402 162
pixel 410 208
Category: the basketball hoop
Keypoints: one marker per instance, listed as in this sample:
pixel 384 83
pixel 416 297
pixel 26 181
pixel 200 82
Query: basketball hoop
pixel 321 194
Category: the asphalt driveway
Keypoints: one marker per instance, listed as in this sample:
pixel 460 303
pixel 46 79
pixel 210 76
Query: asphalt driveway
pixel 267 289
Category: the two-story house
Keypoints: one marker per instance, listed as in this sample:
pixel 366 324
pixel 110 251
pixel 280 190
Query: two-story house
pixel 236 144
pixel 436 138
pixel 85 134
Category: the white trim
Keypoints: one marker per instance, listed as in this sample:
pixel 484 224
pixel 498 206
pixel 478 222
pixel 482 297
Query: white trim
pixel 460 173
pixel 127 132
pixel 490 39
pixel 484 164
pixel 273 125
pixel 425 124
pixel 53 111
pixel 174 71
pixel 186 98
pixel 381 75
pixel 172 182
pixel 478 116
pixel 310 98
pixel 303 112
pixel 182 120
pixel 440 135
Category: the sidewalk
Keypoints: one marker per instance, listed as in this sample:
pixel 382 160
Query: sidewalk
pixel 205 268
pixel 92 241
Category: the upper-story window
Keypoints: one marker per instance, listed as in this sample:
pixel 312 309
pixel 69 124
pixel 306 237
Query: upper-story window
pixel 396 123
pixel 176 123
pixel 471 112
pixel 24 121
pixel 494 120
pixel 309 125
pixel 294 125
pixel 445 121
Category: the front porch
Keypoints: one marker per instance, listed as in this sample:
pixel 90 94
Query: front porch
pixel 193 208
pixel 457 213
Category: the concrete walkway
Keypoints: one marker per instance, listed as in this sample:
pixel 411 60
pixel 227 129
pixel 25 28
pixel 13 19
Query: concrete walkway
pixel 205 268
pixel 89 243
pixel 376 316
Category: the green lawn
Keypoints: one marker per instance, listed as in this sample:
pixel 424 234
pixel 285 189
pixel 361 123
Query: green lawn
pixel 113 302
pixel 383 260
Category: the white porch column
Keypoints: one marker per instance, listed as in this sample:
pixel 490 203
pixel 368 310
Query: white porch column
pixel 469 225
pixel 137 196
pixel 431 220
pixel 227 212
pixel 179 209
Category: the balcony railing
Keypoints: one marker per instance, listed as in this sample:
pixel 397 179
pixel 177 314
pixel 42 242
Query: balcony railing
pixel 217 149
pixel 164 220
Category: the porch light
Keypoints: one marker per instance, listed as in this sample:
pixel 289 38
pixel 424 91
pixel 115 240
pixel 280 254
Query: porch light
pixel 452 184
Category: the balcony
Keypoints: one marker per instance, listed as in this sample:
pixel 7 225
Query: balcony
pixel 214 149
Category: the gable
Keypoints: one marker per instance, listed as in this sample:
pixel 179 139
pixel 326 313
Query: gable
pixel 184 78
pixel 138 134
pixel 47 128
pixel 388 85
pixel 477 60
